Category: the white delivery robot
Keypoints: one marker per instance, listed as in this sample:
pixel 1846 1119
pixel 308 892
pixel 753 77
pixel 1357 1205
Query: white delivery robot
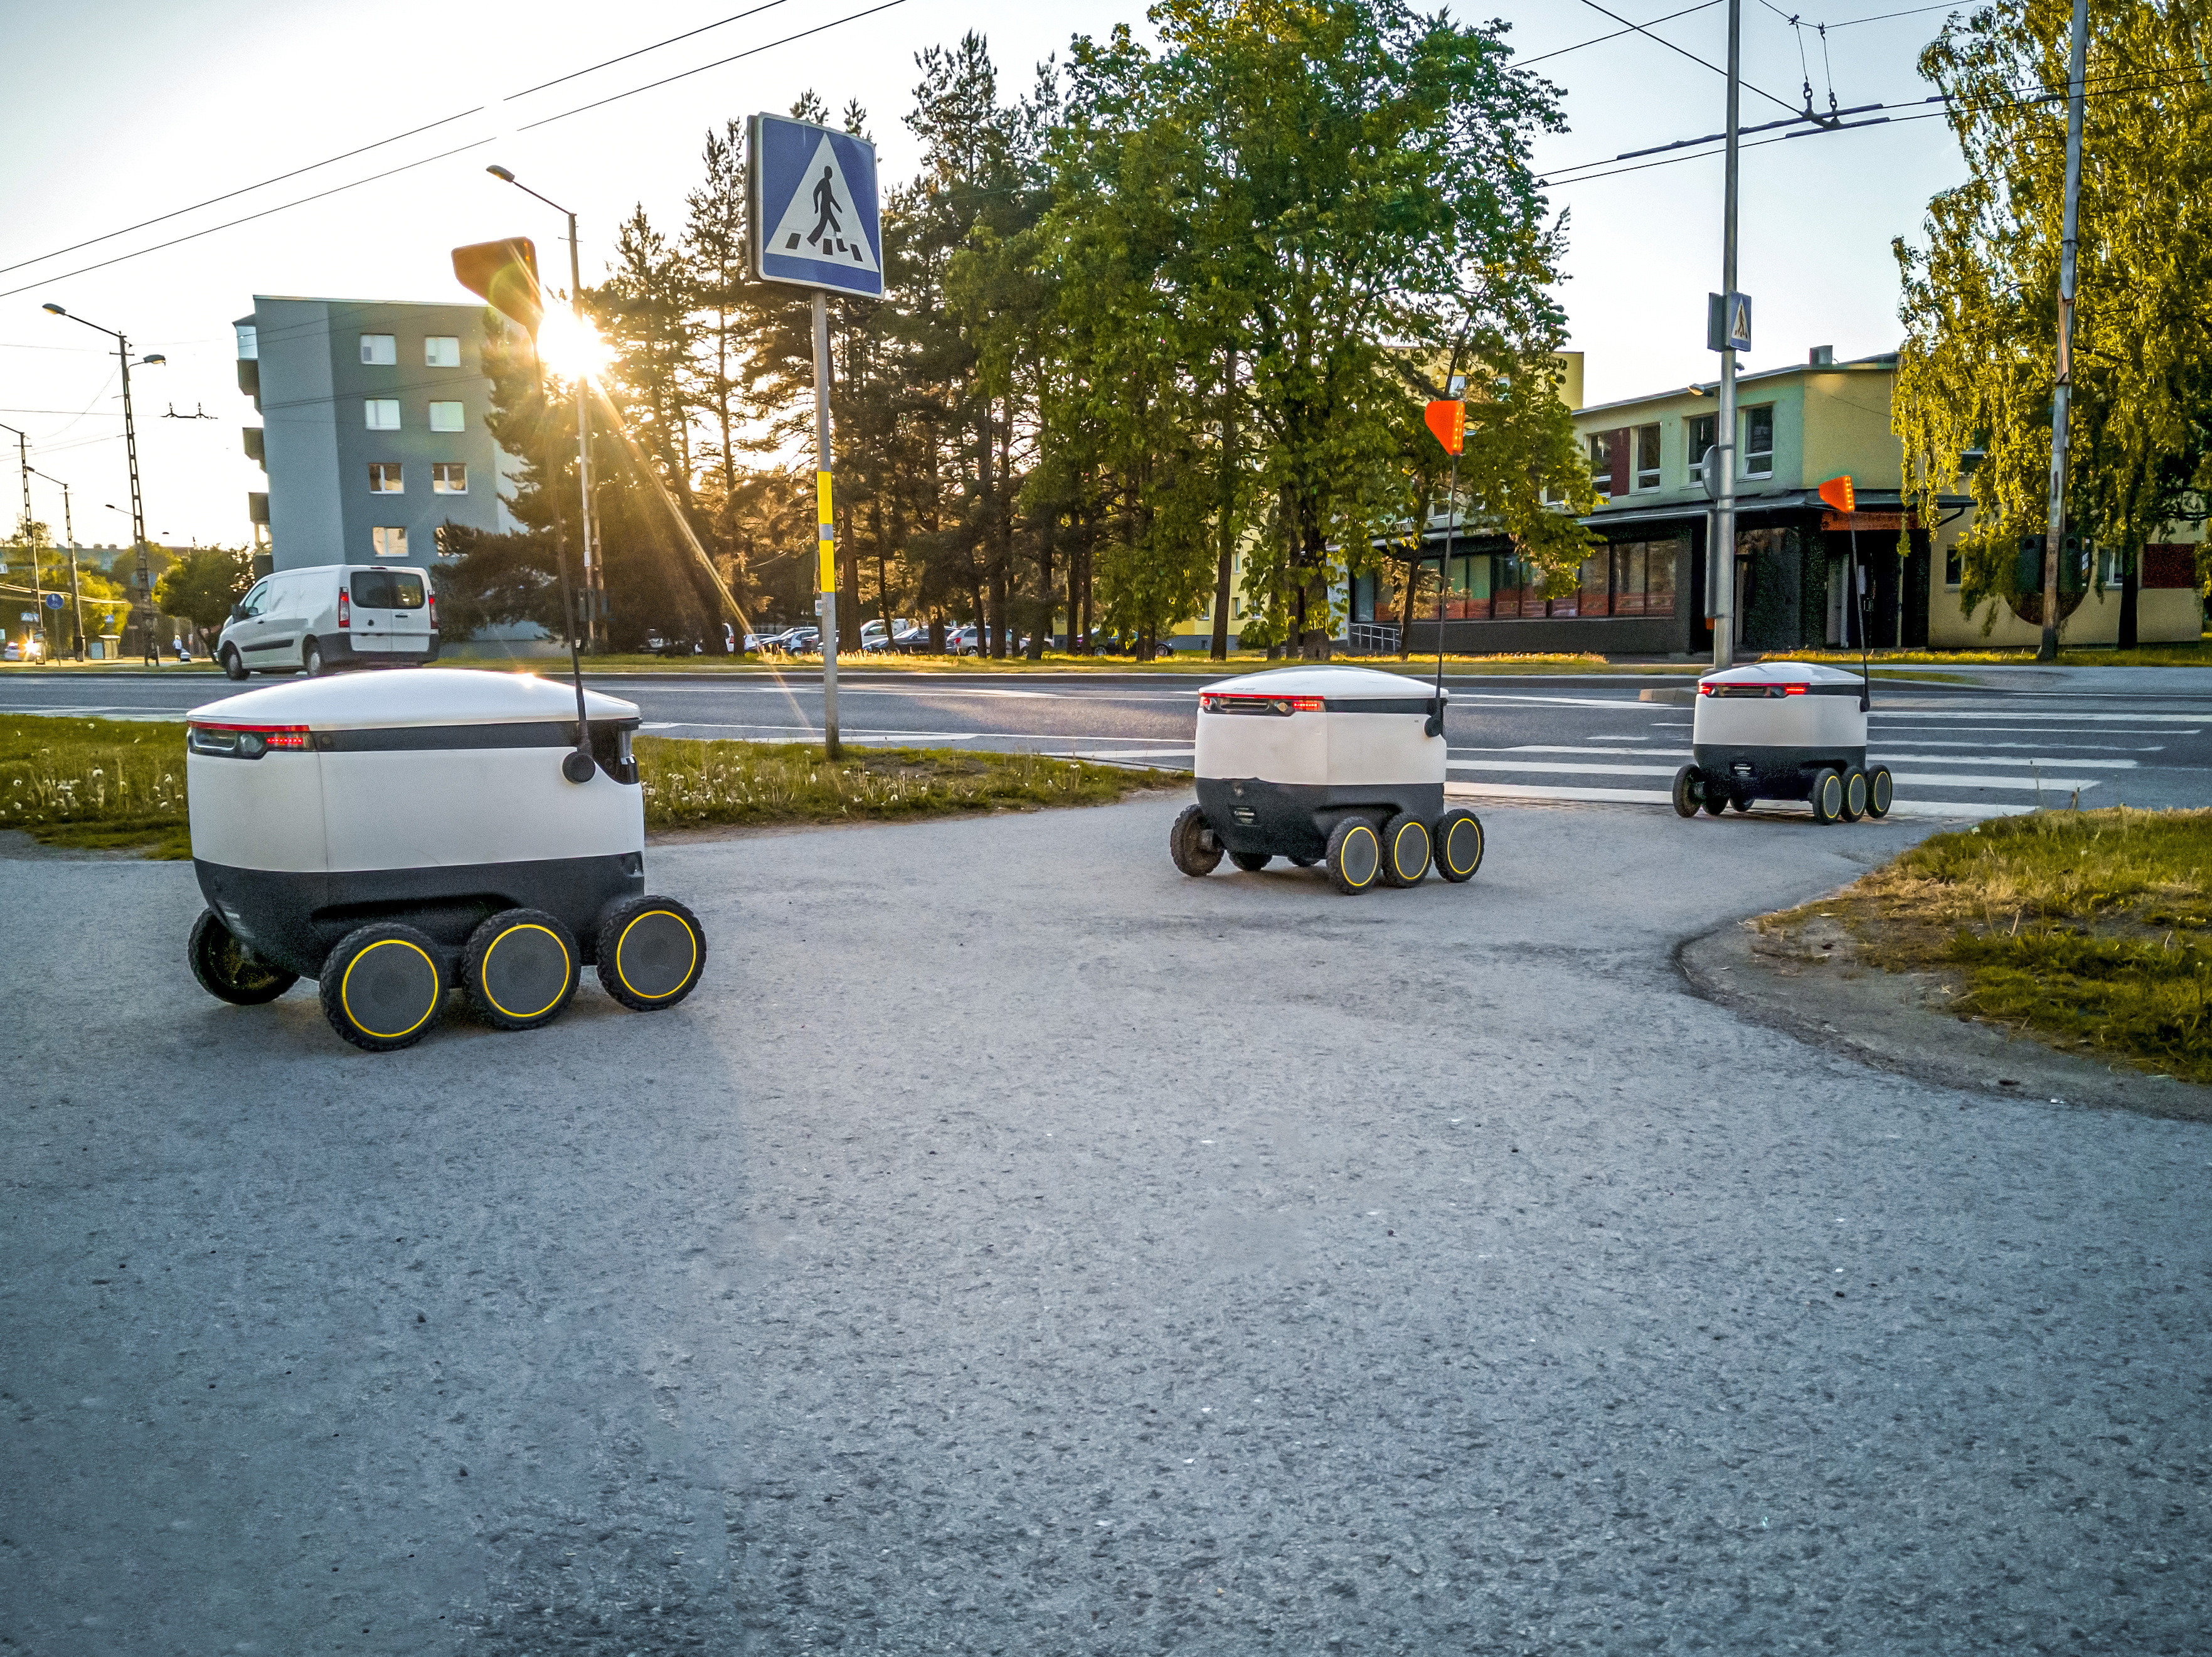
pixel 395 835
pixel 1781 730
pixel 1344 765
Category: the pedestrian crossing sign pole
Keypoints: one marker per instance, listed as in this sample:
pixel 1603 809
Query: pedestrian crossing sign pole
pixel 813 223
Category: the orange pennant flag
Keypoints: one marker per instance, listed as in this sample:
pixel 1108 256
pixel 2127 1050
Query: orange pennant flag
pixel 1448 422
pixel 1839 493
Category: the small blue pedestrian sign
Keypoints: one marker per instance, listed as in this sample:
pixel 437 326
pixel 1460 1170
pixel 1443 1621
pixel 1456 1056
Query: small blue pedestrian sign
pixel 813 213
pixel 53 600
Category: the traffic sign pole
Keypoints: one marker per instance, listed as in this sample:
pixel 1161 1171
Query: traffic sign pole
pixel 1720 559
pixel 825 529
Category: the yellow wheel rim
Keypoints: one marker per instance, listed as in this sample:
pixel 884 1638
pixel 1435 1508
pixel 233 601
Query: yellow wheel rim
pixel 345 988
pixel 683 978
pixel 483 975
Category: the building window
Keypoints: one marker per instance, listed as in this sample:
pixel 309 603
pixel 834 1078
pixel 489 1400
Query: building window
pixel 1629 578
pixel 1758 442
pixel 448 477
pixel 441 350
pixel 383 414
pixel 389 546
pixel 447 416
pixel 1647 457
pixel 384 477
pixel 249 341
pixel 1954 567
pixel 1702 430
pixel 379 349
pixel 1601 458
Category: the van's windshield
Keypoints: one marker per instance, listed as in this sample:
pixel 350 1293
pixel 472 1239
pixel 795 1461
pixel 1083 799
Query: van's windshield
pixel 388 589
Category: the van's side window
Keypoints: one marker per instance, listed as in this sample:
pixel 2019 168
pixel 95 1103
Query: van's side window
pixel 253 602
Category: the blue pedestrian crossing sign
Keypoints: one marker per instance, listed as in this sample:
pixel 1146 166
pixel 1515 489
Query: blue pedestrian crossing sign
pixel 53 600
pixel 813 213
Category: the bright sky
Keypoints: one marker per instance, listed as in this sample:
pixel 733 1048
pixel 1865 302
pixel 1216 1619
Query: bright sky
pixel 131 109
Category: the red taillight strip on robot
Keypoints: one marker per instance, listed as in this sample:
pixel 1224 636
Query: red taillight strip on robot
pixel 272 736
pixel 1795 690
pixel 1219 704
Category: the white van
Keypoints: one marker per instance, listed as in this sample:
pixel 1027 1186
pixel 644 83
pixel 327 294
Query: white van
pixel 334 615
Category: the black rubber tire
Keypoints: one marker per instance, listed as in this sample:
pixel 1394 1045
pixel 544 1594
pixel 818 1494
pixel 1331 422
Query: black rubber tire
pixel 520 968
pixel 644 959
pixel 1827 795
pixel 1716 798
pixel 398 998
pixel 1355 856
pixel 228 971
pixel 1854 794
pixel 233 668
pixel 1740 802
pixel 1404 851
pixel 1192 845
pixel 1458 850
pixel 1303 862
pixel 1689 793
pixel 1250 861
pixel 1880 789
pixel 310 659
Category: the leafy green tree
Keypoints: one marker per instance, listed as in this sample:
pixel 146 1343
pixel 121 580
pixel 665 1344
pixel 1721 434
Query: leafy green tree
pixel 204 584
pixel 1977 369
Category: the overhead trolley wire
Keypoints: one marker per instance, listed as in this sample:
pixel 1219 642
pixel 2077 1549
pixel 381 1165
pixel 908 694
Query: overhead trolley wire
pixel 1597 40
pixel 703 29
pixel 1681 52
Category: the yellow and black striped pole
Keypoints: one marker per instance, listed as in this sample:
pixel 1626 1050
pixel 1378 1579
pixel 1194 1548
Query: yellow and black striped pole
pixel 825 533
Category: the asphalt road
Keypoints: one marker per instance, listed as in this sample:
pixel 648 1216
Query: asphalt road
pixel 1014 1247
pixel 1995 741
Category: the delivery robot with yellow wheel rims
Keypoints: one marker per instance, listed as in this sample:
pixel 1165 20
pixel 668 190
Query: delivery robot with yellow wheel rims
pixel 1783 730
pixel 1344 766
pixel 394 837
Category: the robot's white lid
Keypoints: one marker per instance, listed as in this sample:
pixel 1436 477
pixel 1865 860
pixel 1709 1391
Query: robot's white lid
pixel 1782 673
pixel 1337 684
pixel 414 696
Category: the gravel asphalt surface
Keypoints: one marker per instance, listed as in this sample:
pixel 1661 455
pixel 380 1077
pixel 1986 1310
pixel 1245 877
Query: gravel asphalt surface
pixel 1015 1247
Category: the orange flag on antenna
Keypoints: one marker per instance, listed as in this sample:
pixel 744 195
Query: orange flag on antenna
pixel 1839 493
pixel 1448 422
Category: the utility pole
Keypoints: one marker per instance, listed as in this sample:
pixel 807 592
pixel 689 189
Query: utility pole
pixel 1719 556
pixel 141 597
pixel 69 529
pixel 30 541
pixel 825 527
pixel 2062 392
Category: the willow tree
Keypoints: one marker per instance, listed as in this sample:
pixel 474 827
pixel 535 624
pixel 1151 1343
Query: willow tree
pixel 1978 365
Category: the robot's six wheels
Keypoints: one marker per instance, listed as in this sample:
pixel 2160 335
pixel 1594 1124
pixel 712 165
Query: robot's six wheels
pixel 228 971
pixel 1404 851
pixel 1459 844
pixel 1827 795
pixel 1355 856
pixel 650 953
pixel 381 987
pixel 1879 790
pixel 521 967
pixel 1192 844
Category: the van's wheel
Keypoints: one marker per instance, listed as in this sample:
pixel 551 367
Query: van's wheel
pixel 1854 794
pixel 651 951
pixel 1404 851
pixel 1827 795
pixel 1192 845
pixel 1355 856
pixel 381 987
pixel 1688 794
pixel 520 968
pixel 1459 844
pixel 233 668
pixel 310 659
pixel 1251 861
pixel 1880 790
pixel 230 972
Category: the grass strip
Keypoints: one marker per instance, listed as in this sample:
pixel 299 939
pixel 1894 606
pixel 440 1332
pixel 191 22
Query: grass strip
pixel 698 785
pixel 2087 927
pixel 118 785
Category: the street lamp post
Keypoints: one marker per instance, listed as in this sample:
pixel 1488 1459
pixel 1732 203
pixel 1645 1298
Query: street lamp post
pixel 30 541
pixel 69 529
pixel 594 589
pixel 143 597
pixel 1720 566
